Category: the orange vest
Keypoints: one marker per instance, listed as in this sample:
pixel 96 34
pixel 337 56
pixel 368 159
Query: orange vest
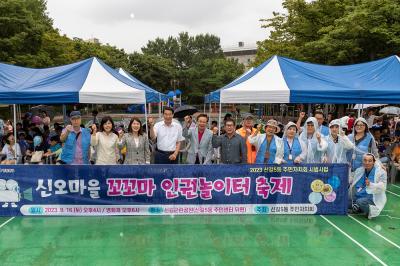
pixel 251 150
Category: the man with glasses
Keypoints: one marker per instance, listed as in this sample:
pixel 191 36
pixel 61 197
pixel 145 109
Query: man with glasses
pixel 320 118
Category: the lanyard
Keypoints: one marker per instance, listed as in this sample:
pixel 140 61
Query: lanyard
pixel 290 147
pixel 267 153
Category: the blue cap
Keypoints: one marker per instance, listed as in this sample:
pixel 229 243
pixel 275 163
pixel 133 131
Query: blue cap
pixel 76 114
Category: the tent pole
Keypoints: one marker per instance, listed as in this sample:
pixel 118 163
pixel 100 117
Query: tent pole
pixel 209 115
pixel 145 117
pixel 15 133
pixel 159 106
pixel 219 118
pixel 64 110
pixel 362 110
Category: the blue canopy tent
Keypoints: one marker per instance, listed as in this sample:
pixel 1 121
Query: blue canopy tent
pixel 87 81
pixel 283 80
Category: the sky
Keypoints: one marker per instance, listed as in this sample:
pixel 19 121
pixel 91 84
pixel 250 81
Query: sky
pixel 130 24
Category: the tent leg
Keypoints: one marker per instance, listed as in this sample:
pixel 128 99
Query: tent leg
pixel 145 118
pixel 15 132
pixel 219 118
pixel 64 109
pixel 362 110
pixel 209 115
pixel 159 106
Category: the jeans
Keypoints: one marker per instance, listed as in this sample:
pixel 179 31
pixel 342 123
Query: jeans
pixel 362 204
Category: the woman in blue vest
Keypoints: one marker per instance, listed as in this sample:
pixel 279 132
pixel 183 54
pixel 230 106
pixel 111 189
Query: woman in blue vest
pixel 294 150
pixel 269 146
pixel 316 144
pixel 363 143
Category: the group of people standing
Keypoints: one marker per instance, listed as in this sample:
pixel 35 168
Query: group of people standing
pixel 249 143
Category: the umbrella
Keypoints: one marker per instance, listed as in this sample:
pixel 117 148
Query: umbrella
pixel 171 94
pixel 390 110
pixel 185 110
pixel 365 106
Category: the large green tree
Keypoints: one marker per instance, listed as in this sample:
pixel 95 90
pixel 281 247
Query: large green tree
pixel 155 71
pixel 28 38
pixel 23 24
pixel 333 31
pixel 200 65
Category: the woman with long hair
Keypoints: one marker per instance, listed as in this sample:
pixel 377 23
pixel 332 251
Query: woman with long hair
pixel 363 143
pixel 137 143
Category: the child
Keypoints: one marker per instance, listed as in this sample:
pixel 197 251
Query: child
pixel 55 148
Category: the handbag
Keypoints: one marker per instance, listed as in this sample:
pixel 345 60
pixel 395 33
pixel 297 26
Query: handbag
pixel 37 157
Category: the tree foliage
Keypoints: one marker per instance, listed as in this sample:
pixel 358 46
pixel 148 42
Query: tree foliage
pixel 333 31
pixel 200 65
pixel 28 38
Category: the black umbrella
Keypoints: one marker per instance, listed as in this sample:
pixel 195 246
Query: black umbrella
pixel 185 110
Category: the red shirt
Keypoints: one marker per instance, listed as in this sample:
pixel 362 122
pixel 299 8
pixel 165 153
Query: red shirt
pixel 200 135
pixel 350 124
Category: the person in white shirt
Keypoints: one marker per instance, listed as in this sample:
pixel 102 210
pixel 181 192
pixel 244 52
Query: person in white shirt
pixel 11 150
pixel 105 142
pixel 168 134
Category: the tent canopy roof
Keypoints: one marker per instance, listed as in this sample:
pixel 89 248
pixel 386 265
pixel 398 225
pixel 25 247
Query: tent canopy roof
pixel 87 81
pixel 283 80
pixel 152 96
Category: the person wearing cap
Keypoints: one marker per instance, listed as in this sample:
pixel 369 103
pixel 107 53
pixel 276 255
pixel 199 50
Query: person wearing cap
pixel 338 144
pixel 367 188
pixel 233 146
pixel 363 143
pixel 269 146
pixel 294 150
pixel 245 131
pixel 76 141
pixel 316 144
